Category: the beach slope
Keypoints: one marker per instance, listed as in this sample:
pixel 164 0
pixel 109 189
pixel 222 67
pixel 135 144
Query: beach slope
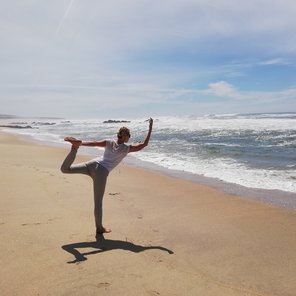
pixel 169 236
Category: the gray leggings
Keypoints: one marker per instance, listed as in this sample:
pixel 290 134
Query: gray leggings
pixel 99 175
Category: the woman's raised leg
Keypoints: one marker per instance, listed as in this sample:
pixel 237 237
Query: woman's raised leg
pixel 68 167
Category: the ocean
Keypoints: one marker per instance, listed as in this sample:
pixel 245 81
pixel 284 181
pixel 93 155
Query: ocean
pixel 252 151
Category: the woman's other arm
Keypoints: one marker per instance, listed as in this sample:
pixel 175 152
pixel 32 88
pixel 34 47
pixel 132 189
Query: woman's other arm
pixel 140 146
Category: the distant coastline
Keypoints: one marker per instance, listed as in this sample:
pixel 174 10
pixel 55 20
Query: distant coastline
pixel 218 115
pixel 7 116
pixel 31 123
pixel 11 116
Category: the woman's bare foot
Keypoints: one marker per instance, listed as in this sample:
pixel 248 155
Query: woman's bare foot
pixel 75 142
pixel 102 230
pixel 71 140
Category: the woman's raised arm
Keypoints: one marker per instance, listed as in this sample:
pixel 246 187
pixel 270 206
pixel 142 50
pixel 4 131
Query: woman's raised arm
pixel 140 146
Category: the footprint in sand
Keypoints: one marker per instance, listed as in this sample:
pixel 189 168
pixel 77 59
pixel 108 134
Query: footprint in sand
pixel 103 285
pixel 154 293
pixel 38 223
pixel 28 224
pixel 115 193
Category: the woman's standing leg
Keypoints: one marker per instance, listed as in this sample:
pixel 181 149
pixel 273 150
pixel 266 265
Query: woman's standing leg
pixel 99 175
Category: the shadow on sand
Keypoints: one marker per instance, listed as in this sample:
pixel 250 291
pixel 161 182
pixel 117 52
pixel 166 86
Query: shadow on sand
pixel 103 245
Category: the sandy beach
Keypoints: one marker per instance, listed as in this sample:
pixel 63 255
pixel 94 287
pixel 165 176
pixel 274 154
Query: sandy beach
pixel 169 236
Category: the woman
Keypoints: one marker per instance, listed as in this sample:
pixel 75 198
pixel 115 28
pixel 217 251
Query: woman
pixel 99 169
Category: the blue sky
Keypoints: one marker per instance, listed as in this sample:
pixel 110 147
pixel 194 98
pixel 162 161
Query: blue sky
pixel 99 58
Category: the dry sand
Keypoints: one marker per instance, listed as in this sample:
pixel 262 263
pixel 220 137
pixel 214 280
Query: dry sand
pixel 169 236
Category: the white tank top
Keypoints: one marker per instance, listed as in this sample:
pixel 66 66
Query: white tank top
pixel 113 155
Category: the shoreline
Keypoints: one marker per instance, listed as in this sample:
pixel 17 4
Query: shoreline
pixel 268 196
pixel 169 236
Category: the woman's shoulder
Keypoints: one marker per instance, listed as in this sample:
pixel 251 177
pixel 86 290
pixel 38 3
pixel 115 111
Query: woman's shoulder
pixel 110 141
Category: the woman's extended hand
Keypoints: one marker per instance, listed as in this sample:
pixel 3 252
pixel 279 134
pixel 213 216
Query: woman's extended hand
pixel 150 122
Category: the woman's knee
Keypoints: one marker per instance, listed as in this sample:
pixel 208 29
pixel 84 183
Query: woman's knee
pixel 65 170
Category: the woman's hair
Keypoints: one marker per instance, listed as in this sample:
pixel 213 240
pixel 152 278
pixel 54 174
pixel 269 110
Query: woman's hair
pixel 123 131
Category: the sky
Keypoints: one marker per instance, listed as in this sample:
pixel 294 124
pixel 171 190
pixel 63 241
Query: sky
pixel 134 58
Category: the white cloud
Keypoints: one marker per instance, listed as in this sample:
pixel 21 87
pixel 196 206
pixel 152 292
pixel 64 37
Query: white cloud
pixel 88 52
pixel 223 89
pixel 276 61
pixel 141 102
pixel 136 24
pixel 228 91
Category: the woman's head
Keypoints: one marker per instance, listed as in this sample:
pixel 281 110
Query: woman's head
pixel 123 133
